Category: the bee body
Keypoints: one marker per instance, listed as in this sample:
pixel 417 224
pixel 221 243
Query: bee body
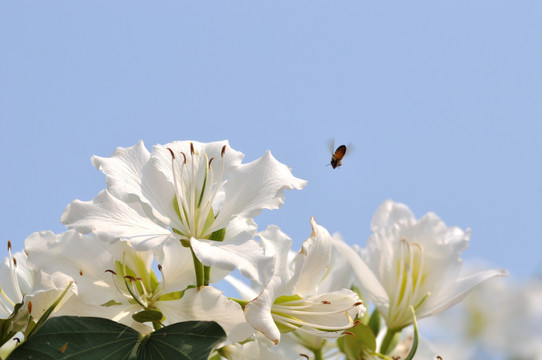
pixel 337 156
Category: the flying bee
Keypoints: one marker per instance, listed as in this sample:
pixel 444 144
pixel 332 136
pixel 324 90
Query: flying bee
pixel 337 155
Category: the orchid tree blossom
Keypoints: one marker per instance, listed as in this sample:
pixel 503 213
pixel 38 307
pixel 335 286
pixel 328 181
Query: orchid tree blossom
pixel 32 289
pixel 184 190
pixel 290 299
pixel 116 281
pixel 409 262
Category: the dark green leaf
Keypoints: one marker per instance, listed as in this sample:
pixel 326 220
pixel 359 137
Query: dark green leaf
pixel 190 340
pixel 72 337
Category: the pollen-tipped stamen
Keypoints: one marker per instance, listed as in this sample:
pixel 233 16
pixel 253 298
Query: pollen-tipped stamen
pixel 14 282
pixel 209 204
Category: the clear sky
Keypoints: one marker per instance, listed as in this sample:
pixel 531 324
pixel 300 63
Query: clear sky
pixel 442 101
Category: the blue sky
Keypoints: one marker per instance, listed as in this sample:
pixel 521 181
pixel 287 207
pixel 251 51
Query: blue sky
pixel 441 100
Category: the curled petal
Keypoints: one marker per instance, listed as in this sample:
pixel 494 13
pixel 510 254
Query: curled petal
pixel 256 186
pixel 312 261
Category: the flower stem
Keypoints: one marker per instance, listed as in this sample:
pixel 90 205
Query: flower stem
pixel 198 269
pixel 389 342
pixel 318 354
pixel 206 275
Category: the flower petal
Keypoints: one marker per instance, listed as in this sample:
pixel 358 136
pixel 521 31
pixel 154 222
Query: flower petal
pixel 208 304
pixel 247 257
pixel 256 186
pixel 123 171
pixel 312 261
pixel 390 213
pixel 112 219
pixel 258 311
pixel 451 295
pixel 370 283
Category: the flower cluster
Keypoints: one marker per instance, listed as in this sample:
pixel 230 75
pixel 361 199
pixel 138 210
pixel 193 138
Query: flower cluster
pixel 149 249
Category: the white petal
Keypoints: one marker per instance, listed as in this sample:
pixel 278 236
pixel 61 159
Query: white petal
pixel 123 171
pixel 83 259
pixel 312 261
pixel 208 304
pixel 454 293
pixel 247 257
pixel 256 186
pixel 276 243
pixel 258 311
pixel 112 219
pixel 390 213
pixel 370 283
pixel 177 266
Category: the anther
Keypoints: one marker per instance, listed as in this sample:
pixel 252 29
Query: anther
pixel 17 339
pixel 348 333
pixel 14 262
pixel 171 152
pixel 305 356
pixel 325 302
pixel 29 306
pixel 192 149
pixel 358 303
pixel 223 151
pixel 210 161
pixel 159 267
pixel 111 271
pixel 81 272
pixel 184 156
pixel 9 245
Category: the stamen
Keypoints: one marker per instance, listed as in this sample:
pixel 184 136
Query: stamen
pixel 163 282
pixel 191 219
pixel 209 204
pixel 177 186
pixel 172 153
pixel 29 306
pixel 13 275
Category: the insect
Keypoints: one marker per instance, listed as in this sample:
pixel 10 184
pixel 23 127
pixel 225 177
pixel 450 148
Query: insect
pixel 337 155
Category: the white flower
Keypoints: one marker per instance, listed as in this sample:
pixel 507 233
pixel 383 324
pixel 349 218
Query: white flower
pixel 116 281
pixel 181 190
pixel 291 301
pixel 411 262
pixel 32 289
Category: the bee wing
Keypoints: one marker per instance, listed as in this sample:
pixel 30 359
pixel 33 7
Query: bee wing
pixel 349 149
pixel 331 145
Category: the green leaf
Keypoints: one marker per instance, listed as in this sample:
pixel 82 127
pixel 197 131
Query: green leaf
pixel 374 322
pixel 190 340
pixel 414 347
pixel 72 337
pixel 361 341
